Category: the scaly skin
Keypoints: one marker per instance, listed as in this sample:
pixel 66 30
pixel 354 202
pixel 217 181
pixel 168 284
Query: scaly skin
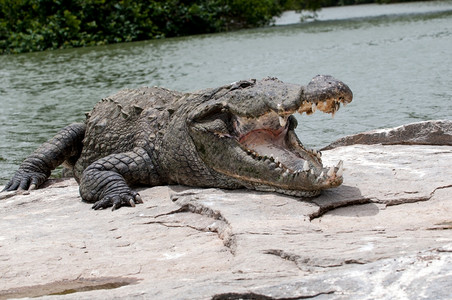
pixel 238 135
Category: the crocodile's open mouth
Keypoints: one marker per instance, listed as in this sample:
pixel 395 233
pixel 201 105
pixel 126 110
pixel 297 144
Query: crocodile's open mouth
pixel 271 140
pixel 263 152
pixel 277 144
pixel 271 137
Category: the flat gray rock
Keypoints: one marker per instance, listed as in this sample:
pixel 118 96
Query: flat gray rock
pixel 384 234
pixel 434 132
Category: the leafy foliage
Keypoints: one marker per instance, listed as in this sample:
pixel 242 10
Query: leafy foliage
pixel 35 25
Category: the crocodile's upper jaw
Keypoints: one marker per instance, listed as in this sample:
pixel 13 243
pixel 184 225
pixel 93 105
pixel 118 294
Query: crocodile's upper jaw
pixel 264 152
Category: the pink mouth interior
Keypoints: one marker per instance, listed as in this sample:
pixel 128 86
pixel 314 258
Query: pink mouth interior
pixel 266 142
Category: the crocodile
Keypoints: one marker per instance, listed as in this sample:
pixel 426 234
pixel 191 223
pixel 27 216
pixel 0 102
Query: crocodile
pixel 239 135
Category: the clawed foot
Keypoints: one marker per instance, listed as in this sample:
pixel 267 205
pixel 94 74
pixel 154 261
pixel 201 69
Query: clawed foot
pixel 24 181
pixel 118 200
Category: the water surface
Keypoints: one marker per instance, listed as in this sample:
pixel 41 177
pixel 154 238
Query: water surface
pixel 398 66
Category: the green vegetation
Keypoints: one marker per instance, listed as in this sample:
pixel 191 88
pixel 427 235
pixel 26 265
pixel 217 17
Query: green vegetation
pixel 35 25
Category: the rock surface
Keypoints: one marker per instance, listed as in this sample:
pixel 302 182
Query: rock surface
pixel 386 233
pixel 436 132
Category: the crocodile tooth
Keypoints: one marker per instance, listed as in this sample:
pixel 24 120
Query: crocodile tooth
pixel 306 166
pixel 330 172
pixel 286 173
pixel 340 167
pixel 340 172
pixel 319 154
pixel 282 121
pixel 313 107
pixel 321 174
pixel 312 171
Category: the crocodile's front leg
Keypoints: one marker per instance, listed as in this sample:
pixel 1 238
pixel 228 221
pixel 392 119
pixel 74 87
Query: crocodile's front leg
pixel 36 168
pixel 106 181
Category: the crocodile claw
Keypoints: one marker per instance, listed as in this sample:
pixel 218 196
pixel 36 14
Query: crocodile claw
pixel 138 199
pixel 118 201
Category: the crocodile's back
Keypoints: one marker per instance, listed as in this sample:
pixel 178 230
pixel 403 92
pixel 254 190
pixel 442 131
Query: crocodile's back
pixel 125 120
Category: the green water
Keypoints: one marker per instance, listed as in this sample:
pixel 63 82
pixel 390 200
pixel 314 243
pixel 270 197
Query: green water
pixel 398 64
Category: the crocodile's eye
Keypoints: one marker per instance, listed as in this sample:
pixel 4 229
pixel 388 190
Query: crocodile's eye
pixel 216 123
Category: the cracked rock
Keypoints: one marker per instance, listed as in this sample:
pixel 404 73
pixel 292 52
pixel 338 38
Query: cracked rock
pixel 384 234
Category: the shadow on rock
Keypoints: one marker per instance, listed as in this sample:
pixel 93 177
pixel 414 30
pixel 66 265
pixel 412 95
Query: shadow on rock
pixel 341 197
